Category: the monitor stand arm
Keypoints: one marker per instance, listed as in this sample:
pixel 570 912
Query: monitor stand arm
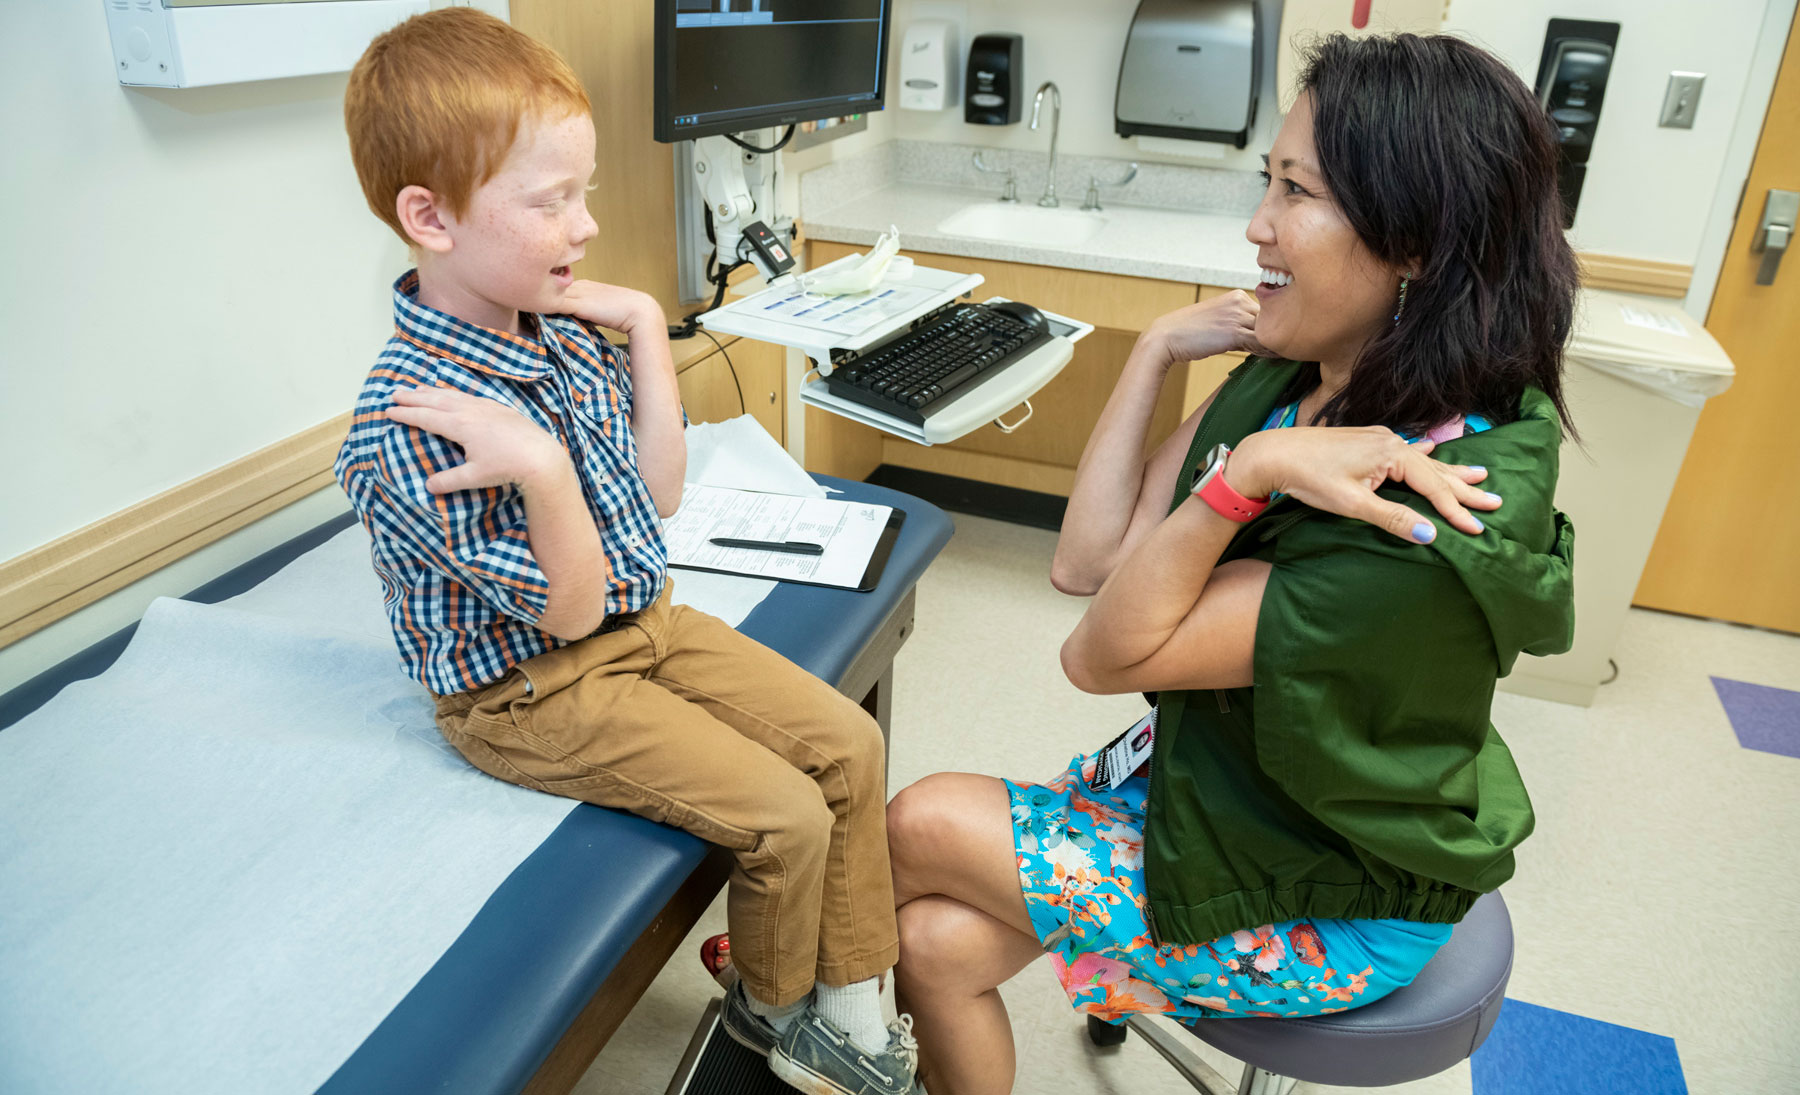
pixel 719 175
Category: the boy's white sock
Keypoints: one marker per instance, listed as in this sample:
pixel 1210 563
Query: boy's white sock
pixel 780 1018
pixel 855 1010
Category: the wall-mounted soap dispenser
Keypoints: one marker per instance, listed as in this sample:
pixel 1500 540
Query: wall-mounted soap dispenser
pixel 928 66
pixel 996 80
pixel 1191 69
pixel 1571 81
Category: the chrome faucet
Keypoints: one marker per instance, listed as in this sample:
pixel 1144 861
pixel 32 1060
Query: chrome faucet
pixel 1037 103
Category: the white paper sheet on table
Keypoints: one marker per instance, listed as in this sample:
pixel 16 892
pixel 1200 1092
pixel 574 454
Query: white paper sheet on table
pixel 179 830
pixel 740 454
pixel 231 855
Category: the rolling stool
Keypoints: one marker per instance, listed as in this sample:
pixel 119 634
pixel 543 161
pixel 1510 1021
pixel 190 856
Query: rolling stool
pixel 1411 1033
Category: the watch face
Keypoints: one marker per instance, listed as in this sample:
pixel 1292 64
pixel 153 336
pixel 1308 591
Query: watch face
pixel 1215 459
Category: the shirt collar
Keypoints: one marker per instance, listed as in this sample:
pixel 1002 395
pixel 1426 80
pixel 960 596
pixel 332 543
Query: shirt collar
pixel 515 357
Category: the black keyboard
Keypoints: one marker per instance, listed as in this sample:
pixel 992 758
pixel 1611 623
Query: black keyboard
pixel 912 375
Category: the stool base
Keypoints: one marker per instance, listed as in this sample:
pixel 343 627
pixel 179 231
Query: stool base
pixel 1202 1076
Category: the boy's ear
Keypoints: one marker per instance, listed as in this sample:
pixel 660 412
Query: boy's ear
pixel 423 218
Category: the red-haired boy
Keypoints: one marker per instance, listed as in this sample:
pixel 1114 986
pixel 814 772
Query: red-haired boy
pixel 510 465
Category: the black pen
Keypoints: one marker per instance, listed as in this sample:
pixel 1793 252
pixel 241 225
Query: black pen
pixel 792 547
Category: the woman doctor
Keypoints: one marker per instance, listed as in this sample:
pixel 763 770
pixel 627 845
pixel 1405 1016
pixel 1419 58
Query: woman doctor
pixel 1319 576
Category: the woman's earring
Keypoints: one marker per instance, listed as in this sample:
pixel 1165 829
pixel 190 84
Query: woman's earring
pixel 1404 279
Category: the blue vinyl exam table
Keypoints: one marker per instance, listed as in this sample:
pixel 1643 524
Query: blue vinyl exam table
pixel 550 965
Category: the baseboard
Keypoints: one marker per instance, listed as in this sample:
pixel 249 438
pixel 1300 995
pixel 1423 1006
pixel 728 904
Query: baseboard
pixel 47 583
pixel 1011 504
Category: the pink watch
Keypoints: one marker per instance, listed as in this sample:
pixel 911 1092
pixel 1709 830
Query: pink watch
pixel 1210 485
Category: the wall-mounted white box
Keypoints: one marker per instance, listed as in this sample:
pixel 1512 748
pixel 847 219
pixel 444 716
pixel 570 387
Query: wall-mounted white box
pixel 930 65
pixel 195 43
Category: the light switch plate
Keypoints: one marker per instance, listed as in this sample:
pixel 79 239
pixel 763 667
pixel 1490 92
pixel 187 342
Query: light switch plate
pixel 1682 101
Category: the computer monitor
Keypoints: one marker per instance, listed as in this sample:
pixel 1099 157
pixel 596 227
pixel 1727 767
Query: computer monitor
pixel 723 66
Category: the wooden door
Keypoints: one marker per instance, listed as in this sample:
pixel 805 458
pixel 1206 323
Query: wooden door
pixel 1729 545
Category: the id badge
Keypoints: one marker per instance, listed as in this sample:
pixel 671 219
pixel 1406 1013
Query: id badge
pixel 1124 755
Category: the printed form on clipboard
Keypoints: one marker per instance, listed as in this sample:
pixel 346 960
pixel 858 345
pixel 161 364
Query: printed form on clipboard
pixel 857 537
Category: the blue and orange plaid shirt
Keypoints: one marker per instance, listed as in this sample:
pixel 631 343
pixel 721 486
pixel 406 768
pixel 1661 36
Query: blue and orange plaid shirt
pixel 460 584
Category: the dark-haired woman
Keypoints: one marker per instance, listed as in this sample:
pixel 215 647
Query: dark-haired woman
pixel 1320 575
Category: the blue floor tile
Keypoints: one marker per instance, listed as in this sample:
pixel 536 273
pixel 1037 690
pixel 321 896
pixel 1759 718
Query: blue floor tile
pixel 1763 718
pixel 1542 1051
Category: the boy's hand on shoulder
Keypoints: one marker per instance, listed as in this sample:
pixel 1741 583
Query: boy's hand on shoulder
pixel 614 307
pixel 499 444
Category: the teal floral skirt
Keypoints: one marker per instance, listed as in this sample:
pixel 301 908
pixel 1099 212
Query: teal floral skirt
pixel 1081 866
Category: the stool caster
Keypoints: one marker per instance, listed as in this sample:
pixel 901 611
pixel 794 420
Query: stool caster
pixel 1103 1033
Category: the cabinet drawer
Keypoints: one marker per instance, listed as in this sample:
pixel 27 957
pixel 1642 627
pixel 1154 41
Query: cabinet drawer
pixel 710 392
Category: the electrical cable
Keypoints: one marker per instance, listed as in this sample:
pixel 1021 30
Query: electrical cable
pixel 748 147
pixel 743 407
pixel 690 323
pixel 1615 672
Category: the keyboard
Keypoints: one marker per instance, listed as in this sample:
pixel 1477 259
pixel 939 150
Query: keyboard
pixel 918 372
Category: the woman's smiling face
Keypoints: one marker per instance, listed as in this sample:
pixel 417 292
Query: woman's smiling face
pixel 1323 293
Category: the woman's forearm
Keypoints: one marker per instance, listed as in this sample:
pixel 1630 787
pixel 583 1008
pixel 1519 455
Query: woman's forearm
pixel 1110 475
pixel 1151 593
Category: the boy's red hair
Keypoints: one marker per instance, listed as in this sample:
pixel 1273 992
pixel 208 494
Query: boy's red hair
pixel 437 101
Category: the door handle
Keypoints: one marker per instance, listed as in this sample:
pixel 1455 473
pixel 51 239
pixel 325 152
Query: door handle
pixel 1773 233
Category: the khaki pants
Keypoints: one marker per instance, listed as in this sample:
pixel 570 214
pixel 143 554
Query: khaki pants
pixel 677 717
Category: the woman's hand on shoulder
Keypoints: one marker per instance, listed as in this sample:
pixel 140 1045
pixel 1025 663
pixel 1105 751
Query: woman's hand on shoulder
pixel 1339 469
pixel 1224 324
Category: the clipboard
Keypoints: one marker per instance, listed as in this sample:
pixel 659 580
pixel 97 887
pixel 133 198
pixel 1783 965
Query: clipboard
pixel 871 577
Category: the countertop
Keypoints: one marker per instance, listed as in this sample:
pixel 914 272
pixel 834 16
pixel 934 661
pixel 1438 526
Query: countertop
pixel 1180 245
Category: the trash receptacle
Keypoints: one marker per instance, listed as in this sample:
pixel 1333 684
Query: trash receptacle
pixel 1638 371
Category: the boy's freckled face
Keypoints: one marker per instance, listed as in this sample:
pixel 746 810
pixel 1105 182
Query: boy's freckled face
pixel 524 228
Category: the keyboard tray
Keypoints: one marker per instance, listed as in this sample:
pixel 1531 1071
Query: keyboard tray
pixel 978 403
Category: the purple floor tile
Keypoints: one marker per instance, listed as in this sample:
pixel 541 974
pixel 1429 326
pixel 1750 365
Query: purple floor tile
pixel 1764 718
pixel 1541 1051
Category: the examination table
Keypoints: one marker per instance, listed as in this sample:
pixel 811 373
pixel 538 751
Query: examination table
pixel 547 968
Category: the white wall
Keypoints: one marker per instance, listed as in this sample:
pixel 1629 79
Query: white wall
pixel 1648 192
pixel 880 130
pixel 189 275
pixel 1077 44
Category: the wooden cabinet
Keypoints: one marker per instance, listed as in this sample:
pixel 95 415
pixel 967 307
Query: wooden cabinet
pixel 1041 455
pixel 743 377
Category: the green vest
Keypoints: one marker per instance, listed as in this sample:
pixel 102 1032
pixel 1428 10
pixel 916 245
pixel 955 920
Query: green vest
pixel 1359 777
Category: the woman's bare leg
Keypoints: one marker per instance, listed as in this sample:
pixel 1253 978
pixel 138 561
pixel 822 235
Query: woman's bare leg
pixel 963 928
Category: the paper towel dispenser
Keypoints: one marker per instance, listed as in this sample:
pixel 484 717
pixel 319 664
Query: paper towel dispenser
pixel 1191 69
